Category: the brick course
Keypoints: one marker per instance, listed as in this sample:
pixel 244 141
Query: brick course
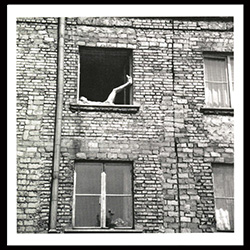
pixel 170 142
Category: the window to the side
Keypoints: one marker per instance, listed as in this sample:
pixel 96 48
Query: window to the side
pixel 224 196
pixel 103 69
pixel 219 80
pixel 103 195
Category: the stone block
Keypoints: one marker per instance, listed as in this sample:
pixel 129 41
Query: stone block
pixel 215 154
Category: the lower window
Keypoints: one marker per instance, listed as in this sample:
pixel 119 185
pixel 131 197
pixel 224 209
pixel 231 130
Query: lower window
pixel 103 195
pixel 224 196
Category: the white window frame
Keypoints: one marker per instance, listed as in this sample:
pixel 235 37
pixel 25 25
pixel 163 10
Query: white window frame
pixel 102 199
pixel 228 76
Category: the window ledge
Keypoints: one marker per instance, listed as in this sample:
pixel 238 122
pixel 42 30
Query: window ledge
pixel 120 108
pixel 217 111
pixel 86 230
pixel 224 231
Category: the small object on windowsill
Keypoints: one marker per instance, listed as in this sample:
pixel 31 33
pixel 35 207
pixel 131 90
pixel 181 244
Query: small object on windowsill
pixel 217 111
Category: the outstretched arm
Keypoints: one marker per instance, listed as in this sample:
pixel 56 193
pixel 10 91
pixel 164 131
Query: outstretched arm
pixel 116 90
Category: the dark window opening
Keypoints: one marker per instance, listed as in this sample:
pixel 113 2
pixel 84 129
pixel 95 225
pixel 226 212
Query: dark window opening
pixel 102 70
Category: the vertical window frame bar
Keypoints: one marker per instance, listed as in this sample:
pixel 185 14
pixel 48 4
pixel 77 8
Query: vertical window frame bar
pixel 230 81
pixel 78 74
pixel 74 201
pixel 103 200
pixel 131 75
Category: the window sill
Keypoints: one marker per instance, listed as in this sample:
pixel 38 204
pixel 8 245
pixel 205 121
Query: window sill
pixel 98 230
pixel 217 111
pixel 224 231
pixel 121 108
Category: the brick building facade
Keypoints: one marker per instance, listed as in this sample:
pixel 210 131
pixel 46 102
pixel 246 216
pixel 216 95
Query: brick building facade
pixel 169 138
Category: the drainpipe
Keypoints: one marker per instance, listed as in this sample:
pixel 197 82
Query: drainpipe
pixel 58 125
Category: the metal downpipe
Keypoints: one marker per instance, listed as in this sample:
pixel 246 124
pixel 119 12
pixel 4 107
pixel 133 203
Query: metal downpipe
pixel 58 126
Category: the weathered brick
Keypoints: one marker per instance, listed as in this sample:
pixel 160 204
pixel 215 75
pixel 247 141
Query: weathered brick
pixel 168 138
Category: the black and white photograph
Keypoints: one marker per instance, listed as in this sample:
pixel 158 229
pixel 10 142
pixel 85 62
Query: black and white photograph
pixel 126 124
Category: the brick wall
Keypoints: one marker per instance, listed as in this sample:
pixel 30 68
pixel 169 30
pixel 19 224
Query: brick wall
pixel 170 142
pixel 36 82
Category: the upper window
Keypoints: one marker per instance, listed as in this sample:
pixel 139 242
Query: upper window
pixel 102 72
pixel 219 80
pixel 103 195
pixel 224 196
